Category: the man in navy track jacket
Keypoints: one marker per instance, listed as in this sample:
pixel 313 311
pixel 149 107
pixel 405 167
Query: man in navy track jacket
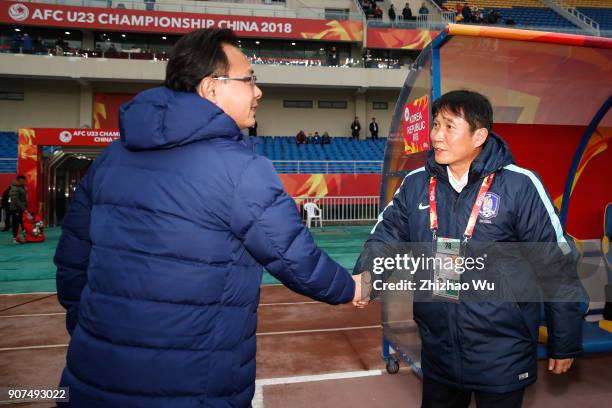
pixel 160 260
pixel 483 347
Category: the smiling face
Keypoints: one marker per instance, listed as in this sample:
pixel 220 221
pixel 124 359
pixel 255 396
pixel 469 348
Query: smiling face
pixel 453 141
pixel 238 99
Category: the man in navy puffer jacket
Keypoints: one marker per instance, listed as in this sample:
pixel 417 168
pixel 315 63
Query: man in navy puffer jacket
pixel 160 258
pixel 483 345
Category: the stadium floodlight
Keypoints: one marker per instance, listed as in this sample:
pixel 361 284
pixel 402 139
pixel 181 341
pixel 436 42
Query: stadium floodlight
pixel 164 37
pixel 67 32
pixel 123 35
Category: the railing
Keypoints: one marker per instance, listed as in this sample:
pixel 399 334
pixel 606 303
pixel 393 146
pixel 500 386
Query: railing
pixel 8 165
pixel 268 8
pixel 343 209
pixel 327 166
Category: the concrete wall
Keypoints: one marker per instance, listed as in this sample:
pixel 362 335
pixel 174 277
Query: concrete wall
pixel 62 103
pixel 45 104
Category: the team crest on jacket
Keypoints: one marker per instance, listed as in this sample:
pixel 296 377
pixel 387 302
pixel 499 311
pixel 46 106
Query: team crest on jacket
pixel 490 206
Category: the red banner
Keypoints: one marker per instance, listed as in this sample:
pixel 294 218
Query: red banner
pixel 28 152
pixel 394 38
pixel 176 23
pixel 331 185
pixel 106 109
pixel 415 124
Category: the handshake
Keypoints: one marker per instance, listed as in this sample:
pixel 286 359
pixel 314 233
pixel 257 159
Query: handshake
pixel 363 289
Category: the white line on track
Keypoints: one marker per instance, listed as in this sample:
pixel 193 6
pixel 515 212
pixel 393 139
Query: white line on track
pixel 318 330
pixel 291 303
pixel 35 315
pixel 259 384
pixel 33 347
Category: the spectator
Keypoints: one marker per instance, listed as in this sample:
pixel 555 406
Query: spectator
pixel 28 46
pixel 493 16
pixel 149 5
pixel 510 21
pixel 5 209
pixel 300 138
pixel 391 13
pixel 39 46
pixel 316 139
pixel 332 57
pixel 374 129
pixel 423 10
pixel 60 46
pixel 309 138
pixel 378 13
pixel 355 128
pixel 466 13
pixel 18 204
pixel 253 130
pixel 407 13
pixel 458 8
pixel 16 43
pixel 325 139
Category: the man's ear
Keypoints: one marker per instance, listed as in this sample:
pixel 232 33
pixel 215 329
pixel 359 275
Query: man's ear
pixel 206 89
pixel 480 137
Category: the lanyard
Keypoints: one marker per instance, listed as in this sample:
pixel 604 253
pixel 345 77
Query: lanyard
pixel 433 210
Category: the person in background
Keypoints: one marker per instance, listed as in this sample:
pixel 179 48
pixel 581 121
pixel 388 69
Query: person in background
pixel 325 139
pixel 6 211
pixel 391 13
pixel 423 10
pixel 16 43
pixel 28 46
pixel 355 128
pixel 316 139
pixel 407 13
pixel 374 129
pixel 18 204
pixel 300 138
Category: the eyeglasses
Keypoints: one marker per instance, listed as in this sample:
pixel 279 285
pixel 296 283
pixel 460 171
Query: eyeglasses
pixel 252 79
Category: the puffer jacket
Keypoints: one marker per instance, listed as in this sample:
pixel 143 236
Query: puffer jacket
pixel 488 343
pixel 160 260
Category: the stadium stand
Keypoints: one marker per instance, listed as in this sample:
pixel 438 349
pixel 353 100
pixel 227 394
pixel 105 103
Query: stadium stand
pixel 8 152
pixel 531 13
pixel 341 149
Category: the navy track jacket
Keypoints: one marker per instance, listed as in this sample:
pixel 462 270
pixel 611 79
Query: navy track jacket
pixel 160 260
pixel 487 346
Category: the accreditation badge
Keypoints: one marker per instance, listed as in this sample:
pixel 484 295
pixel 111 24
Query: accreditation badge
pixel 446 279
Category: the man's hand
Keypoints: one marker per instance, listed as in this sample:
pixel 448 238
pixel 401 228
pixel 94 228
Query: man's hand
pixel 363 287
pixel 559 366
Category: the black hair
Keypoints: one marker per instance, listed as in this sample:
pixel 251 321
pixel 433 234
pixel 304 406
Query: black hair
pixel 471 106
pixel 21 177
pixel 197 55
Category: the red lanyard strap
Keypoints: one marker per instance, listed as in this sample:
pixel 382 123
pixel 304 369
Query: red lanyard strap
pixel 433 210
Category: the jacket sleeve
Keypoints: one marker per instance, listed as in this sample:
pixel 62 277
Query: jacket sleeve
pixel 387 238
pixel 555 260
pixel 265 218
pixel 72 253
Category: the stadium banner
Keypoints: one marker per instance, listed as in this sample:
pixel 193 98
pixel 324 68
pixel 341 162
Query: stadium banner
pixel 112 19
pixel 106 109
pixel 331 185
pixel 415 124
pixel 398 38
pixel 29 151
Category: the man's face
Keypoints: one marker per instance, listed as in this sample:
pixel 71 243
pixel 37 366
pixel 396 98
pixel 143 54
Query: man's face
pixel 238 99
pixel 452 139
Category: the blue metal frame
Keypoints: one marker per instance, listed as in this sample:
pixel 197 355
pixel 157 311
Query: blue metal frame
pixel 436 44
pixel 436 91
pixel 578 156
